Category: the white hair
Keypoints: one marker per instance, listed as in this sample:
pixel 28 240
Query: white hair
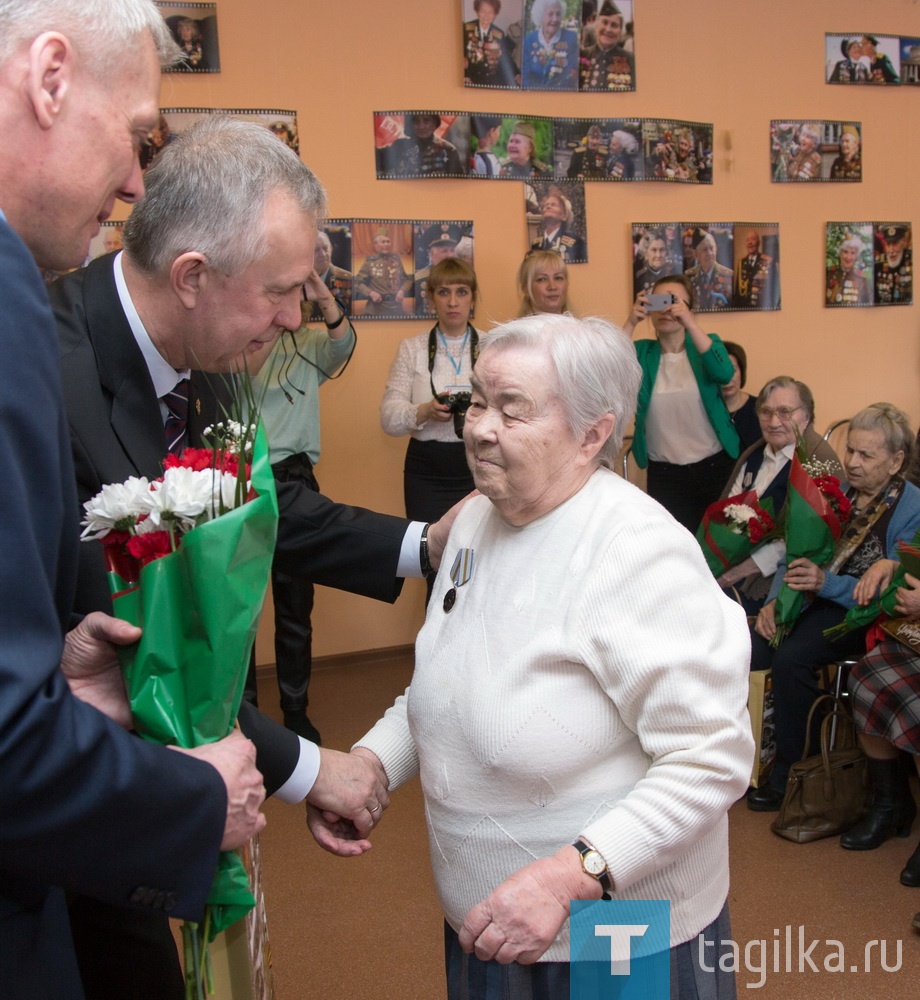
pixel 103 32
pixel 595 365
pixel 207 191
pixel 628 141
pixel 539 9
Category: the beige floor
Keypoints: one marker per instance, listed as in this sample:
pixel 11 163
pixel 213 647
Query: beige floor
pixel 370 928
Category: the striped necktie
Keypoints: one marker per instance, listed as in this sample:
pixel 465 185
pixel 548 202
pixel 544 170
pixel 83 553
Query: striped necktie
pixel 176 427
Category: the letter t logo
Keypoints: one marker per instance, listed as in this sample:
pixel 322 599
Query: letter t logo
pixel 620 937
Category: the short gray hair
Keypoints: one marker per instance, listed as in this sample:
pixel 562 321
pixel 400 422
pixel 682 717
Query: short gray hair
pixel 806 397
pixel 595 364
pixel 894 425
pixel 104 32
pixel 206 191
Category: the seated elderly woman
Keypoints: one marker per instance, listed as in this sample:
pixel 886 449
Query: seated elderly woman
pixel 785 408
pixel 543 283
pixel 886 510
pixel 577 712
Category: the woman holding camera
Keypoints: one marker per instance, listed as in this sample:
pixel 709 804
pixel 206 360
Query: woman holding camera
pixel 684 433
pixel 428 390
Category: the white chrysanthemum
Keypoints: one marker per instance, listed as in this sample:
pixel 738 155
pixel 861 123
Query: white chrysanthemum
pixel 181 498
pixel 116 507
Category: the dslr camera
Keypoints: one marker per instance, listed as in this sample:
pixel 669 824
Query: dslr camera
pixel 459 403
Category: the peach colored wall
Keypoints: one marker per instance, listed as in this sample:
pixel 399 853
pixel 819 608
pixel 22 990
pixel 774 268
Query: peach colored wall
pixel 736 64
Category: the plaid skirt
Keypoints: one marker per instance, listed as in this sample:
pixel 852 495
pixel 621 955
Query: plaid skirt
pixel 885 693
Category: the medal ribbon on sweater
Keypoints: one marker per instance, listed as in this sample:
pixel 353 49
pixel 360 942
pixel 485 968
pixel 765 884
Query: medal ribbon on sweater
pixel 460 573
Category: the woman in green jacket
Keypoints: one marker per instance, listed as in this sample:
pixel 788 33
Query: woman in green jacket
pixel 684 434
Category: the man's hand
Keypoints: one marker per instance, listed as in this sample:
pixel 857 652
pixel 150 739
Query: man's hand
pixel 351 786
pixel 520 918
pixel 336 835
pixel 91 666
pixel 438 532
pixel 234 757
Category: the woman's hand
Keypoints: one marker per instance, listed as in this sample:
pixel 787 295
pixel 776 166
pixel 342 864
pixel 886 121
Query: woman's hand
pixel 432 410
pixel 908 598
pixel 874 581
pixel 637 314
pixel 803 574
pixel 520 918
pixel 766 621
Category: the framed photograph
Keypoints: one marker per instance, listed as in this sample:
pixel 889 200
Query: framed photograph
pixel 893 272
pixel 608 40
pixel 756 284
pixel 598 150
pixel 559 223
pixel 910 62
pixel 551 44
pixel 677 151
pixel 382 256
pixel 194 30
pixel 492 34
pixel 332 261
pixel 421 144
pixel 107 240
pixel 815 151
pixel 432 243
pixel 849 264
pixel 525 148
pixel 731 266
pixel 862 59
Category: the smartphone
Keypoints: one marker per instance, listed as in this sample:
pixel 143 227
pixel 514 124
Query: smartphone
pixel 660 300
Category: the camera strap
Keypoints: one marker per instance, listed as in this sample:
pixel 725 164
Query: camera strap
pixel 471 334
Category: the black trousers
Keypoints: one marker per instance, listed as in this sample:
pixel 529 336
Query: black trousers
pixel 685 491
pixel 435 477
pixel 796 662
pixel 293 600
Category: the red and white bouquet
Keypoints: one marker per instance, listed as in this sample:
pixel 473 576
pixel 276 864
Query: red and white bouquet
pixel 732 528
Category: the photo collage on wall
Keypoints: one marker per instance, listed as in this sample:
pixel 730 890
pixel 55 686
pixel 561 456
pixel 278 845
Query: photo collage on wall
pixel 194 30
pixel 107 240
pixel 174 121
pixel 868 264
pixel 815 151
pixel 879 60
pixel 460 144
pixel 731 266
pixel 546 45
pixel 378 268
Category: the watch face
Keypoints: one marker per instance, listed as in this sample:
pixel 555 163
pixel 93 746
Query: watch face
pixel 593 863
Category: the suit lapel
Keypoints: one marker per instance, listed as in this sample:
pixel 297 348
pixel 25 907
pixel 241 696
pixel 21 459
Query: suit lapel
pixel 135 416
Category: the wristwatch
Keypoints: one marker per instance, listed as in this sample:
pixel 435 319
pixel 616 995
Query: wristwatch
pixel 593 864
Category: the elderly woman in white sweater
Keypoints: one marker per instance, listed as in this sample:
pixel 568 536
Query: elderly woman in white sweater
pixel 578 709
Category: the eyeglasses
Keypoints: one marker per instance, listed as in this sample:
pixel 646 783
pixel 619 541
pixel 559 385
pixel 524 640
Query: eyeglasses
pixel 783 412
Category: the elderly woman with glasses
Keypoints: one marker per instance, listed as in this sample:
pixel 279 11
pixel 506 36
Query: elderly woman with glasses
pixel 577 712
pixel 886 510
pixel 786 411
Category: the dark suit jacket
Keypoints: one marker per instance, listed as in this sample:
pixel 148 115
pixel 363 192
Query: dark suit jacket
pixel 116 431
pixel 84 806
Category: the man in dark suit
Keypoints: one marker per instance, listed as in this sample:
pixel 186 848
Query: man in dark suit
pixel 129 325
pixel 85 806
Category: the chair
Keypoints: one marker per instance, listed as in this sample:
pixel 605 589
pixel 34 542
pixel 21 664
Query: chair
pixel 837 686
pixel 836 434
pixel 627 464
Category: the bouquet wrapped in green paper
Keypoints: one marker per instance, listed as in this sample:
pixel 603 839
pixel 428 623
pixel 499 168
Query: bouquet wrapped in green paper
pixel 732 528
pixel 859 617
pixel 189 560
pixel 815 513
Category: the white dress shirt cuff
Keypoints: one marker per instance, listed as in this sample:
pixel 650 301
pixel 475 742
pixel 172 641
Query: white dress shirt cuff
pixel 303 777
pixel 410 559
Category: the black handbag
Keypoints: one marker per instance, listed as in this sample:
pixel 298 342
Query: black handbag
pixel 828 793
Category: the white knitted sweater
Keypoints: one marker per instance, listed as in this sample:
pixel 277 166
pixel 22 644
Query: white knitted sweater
pixel 591 681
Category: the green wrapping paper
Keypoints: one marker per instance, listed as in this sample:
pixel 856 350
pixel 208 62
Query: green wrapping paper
pixel 811 531
pixel 199 609
pixel 725 546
